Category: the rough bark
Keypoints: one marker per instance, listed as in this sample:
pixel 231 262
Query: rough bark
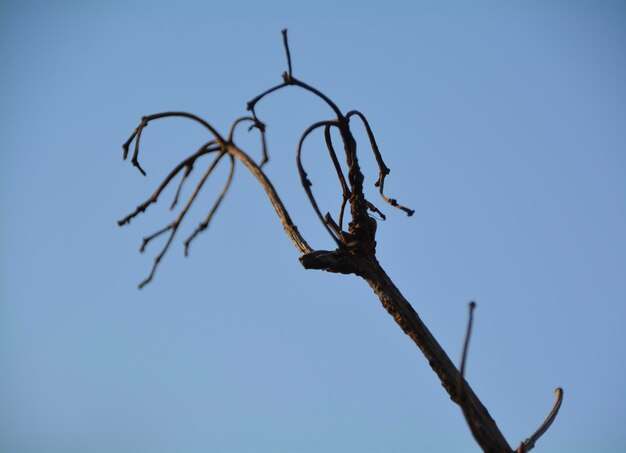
pixel 482 425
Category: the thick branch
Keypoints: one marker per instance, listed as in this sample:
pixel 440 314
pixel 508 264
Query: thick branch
pixel 487 433
pixel 483 427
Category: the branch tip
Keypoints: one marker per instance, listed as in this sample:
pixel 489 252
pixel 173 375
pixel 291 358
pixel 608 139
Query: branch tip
pixel 135 163
pixel 286 45
pixel 529 443
pixel 468 333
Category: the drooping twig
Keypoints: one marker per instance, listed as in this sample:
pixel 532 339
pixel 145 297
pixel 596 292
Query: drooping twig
pixel 188 170
pixel 345 191
pixel 290 228
pixel 214 145
pixel 306 183
pixel 186 163
pixel 173 227
pixel 204 225
pixel 147 119
pixel 256 124
pixel 383 169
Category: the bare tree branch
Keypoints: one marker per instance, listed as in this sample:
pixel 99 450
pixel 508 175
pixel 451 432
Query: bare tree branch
pixel 487 434
pixel 356 247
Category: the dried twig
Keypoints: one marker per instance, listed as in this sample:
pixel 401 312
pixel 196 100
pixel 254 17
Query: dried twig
pixel 204 225
pixel 173 227
pixel 383 169
pixel 217 144
pixel 464 401
pixel 188 164
pixel 306 183
pixel 468 334
pixel 529 443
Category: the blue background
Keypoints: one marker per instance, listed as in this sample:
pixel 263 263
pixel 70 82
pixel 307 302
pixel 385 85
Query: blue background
pixel 504 124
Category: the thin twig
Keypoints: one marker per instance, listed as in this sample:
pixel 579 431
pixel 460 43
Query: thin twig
pixel 173 227
pixel 468 333
pixel 342 179
pixel 306 183
pixel 470 405
pixel 253 102
pixel 204 225
pixel 135 161
pixel 188 171
pixel 204 149
pixel 236 123
pixel 383 169
pixel 147 119
pixel 375 210
pixel 256 124
pixel 286 45
pixel 529 443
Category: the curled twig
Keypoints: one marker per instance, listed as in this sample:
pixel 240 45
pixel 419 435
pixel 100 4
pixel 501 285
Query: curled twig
pixel 256 124
pixel 306 183
pixel 383 169
pixel 136 135
pixel 529 443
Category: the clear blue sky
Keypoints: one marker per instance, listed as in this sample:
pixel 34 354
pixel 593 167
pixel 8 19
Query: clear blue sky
pixel 504 124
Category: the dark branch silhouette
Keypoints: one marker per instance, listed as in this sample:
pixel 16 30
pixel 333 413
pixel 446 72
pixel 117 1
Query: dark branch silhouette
pixel 356 244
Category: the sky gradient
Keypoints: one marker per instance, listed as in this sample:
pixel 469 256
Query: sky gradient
pixel 504 125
